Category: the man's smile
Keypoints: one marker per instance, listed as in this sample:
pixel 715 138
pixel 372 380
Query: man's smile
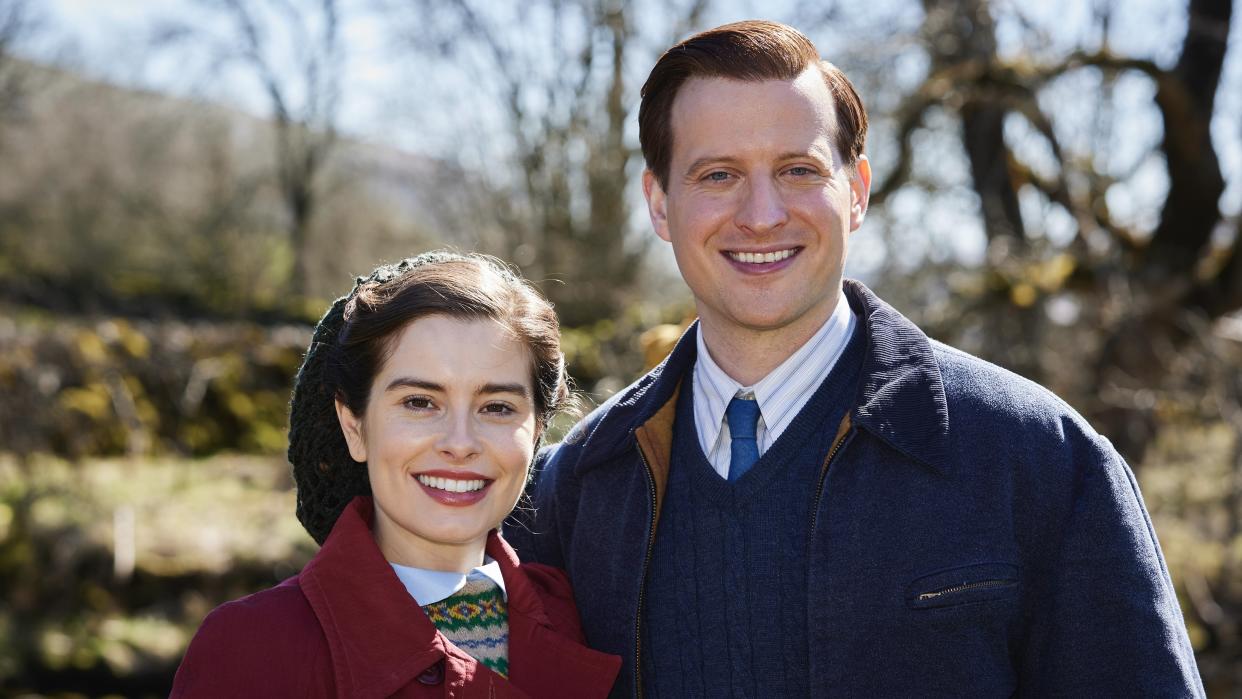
pixel 762 257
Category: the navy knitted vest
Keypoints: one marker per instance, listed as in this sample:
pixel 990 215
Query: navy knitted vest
pixel 724 610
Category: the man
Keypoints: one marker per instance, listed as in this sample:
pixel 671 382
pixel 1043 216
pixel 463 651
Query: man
pixel 809 496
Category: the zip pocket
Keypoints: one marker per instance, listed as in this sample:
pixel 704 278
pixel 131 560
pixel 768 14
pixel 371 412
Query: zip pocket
pixel 963 585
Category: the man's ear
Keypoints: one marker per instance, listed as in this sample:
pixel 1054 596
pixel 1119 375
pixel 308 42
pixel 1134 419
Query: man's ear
pixel 657 204
pixel 351 426
pixel 860 189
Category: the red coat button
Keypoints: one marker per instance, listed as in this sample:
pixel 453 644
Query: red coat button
pixel 433 674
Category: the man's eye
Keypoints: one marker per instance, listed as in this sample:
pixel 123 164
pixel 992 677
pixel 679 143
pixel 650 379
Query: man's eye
pixel 717 176
pixel 801 171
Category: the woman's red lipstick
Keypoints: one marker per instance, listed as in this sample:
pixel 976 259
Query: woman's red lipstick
pixel 441 480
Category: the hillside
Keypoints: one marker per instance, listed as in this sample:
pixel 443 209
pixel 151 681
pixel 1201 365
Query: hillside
pixel 111 192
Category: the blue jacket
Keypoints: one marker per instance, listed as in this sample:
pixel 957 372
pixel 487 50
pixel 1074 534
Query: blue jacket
pixel 971 535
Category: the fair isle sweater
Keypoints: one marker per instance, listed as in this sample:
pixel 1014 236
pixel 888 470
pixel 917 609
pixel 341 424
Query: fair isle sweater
pixel 476 620
pixel 725 609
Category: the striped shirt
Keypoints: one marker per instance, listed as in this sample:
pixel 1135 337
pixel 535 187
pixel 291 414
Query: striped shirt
pixel 781 394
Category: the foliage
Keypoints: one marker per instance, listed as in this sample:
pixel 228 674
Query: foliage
pixel 109 566
pixel 119 387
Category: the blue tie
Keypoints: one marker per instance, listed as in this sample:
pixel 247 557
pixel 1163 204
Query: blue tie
pixel 743 416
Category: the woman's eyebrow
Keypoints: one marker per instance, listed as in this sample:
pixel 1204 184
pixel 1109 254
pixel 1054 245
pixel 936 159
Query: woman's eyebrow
pixel 408 382
pixel 515 388
pixel 487 388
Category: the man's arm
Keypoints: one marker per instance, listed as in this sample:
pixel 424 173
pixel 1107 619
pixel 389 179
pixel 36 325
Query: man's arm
pixel 531 530
pixel 1107 622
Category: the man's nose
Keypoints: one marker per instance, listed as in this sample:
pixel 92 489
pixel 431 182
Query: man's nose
pixel 459 441
pixel 763 208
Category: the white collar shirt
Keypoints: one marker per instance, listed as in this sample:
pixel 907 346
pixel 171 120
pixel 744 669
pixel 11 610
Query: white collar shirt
pixel 431 586
pixel 781 394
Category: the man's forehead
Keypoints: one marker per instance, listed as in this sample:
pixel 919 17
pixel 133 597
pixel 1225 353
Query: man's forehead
pixel 734 104
pixel 715 90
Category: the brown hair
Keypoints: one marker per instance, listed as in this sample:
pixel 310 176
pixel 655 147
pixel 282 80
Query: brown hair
pixel 753 50
pixel 357 335
pixel 459 286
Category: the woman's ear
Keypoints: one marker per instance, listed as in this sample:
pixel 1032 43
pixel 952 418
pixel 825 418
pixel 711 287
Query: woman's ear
pixel 351 426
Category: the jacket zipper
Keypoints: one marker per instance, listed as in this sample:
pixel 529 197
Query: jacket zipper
pixel 981 585
pixel 823 474
pixel 642 579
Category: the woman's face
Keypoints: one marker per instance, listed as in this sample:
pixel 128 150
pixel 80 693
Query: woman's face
pixel 447 437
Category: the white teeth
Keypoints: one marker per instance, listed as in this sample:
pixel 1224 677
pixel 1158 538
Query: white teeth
pixel 761 257
pixel 451 485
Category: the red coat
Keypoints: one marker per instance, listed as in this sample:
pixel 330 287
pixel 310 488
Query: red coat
pixel 346 627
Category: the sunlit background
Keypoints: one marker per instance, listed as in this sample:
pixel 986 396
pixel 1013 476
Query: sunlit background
pixel 186 184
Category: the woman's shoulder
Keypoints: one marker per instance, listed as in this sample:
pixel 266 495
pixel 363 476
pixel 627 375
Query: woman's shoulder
pixel 268 640
pixel 276 611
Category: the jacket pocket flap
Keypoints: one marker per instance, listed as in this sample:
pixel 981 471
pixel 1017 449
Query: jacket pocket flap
pixel 962 585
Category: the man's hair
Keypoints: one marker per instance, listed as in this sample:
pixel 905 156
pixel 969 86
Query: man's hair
pixel 753 51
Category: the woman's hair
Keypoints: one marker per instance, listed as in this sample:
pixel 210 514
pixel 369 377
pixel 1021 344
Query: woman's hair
pixel 357 335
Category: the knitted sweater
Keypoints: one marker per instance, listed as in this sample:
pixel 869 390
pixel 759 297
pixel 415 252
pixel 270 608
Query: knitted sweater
pixel 475 619
pixel 725 612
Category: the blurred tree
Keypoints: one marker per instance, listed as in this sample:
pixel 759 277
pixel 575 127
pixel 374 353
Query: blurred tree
pixel 1134 281
pixel 293 50
pixel 556 82
pixel 17 22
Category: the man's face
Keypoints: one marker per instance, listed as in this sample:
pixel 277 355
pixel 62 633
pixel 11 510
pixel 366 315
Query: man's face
pixel 758 204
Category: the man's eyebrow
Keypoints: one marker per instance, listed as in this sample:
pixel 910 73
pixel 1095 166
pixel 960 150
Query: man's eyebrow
pixel 813 151
pixel 487 388
pixel 709 160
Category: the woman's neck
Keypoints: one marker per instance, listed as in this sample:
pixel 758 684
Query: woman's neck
pixel 400 547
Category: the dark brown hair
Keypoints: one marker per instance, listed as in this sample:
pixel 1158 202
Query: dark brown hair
pixel 357 335
pixel 753 50
pixel 466 287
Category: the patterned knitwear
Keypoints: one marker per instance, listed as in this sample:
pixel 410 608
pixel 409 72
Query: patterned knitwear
pixel 476 620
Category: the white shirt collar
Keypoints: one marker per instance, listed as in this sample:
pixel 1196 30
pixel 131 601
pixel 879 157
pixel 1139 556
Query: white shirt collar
pixel 781 394
pixel 431 586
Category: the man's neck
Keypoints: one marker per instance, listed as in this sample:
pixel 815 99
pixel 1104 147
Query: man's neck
pixel 747 356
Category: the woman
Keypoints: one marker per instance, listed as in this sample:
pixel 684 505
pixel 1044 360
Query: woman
pixel 414 419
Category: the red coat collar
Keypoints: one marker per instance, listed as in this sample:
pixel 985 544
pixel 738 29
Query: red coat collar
pixel 380 640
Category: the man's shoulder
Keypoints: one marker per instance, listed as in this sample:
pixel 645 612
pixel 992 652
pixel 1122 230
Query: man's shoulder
pixel 993 405
pixel 609 426
pixel 971 381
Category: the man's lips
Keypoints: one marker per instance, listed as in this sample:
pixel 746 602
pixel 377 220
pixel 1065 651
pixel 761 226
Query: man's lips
pixel 762 261
pixel 762 256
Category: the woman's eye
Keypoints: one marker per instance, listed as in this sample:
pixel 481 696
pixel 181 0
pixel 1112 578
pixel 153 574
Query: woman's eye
pixel 418 403
pixel 499 409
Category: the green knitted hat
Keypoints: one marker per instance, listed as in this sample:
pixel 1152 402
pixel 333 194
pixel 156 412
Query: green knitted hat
pixel 326 475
